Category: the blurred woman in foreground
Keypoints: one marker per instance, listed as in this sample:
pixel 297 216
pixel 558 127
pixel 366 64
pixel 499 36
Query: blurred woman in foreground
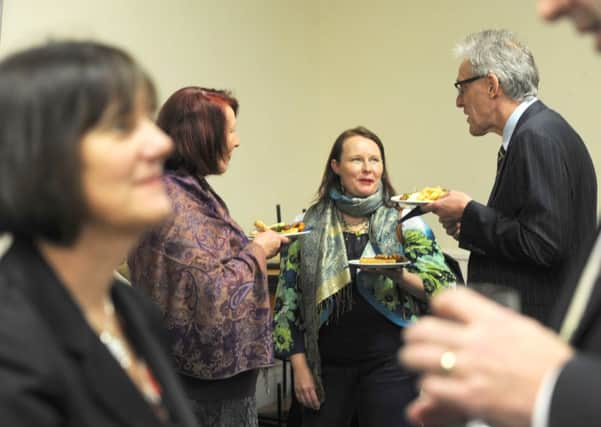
pixel 80 180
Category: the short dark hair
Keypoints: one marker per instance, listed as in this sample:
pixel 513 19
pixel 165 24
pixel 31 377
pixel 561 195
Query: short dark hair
pixel 331 180
pixel 194 118
pixel 50 97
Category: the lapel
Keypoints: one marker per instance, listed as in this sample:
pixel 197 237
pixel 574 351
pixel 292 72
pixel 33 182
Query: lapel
pixel 590 313
pixel 155 357
pixel 570 284
pixel 97 372
pixel 593 305
pixel 530 111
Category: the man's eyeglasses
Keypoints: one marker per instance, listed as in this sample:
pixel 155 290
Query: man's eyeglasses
pixel 459 84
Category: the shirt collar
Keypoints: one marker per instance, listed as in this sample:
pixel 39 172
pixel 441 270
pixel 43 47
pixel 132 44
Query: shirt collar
pixel 513 119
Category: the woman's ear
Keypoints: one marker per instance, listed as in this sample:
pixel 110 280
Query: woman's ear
pixel 335 166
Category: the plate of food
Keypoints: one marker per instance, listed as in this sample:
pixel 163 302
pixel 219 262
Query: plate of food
pixel 380 261
pixel 292 229
pixel 422 197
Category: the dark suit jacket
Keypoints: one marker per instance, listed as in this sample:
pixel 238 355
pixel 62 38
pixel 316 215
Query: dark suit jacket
pixel 54 371
pixel 575 400
pixel 541 208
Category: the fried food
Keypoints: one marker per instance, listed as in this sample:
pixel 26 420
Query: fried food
pixel 280 227
pixel 383 259
pixel 428 194
pixel 295 227
pixel 261 226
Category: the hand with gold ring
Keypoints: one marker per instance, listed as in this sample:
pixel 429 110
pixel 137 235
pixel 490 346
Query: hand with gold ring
pixel 478 360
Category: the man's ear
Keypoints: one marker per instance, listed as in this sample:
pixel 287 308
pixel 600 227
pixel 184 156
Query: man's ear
pixel 494 86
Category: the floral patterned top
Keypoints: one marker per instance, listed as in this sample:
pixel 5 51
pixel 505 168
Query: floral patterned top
pixel 386 297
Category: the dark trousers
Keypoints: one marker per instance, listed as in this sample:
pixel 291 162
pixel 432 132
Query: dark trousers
pixel 375 392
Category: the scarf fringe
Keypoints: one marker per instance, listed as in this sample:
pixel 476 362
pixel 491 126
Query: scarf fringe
pixel 339 303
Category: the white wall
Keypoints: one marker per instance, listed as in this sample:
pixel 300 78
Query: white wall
pixel 305 71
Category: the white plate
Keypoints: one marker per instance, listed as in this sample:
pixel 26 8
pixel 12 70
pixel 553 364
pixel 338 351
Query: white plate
pixel 289 235
pixel 397 199
pixel 358 263
pixel 298 233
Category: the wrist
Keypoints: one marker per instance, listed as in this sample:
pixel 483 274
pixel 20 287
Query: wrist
pixel 298 360
pixel 401 277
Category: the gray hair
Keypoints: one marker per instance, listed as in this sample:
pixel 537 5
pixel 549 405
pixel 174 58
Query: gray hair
pixel 500 53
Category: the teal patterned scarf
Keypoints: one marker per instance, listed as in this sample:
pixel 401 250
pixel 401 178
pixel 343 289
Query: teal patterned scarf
pixel 327 261
pixel 357 206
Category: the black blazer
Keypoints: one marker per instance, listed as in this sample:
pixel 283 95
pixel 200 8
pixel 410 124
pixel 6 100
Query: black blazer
pixel 575 399
pixel 54 371
pixel 542 207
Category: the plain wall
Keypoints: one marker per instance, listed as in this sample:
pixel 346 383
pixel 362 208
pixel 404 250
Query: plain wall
pixel 305 71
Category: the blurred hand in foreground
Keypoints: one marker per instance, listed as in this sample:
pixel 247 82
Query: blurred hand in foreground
pixel 498 361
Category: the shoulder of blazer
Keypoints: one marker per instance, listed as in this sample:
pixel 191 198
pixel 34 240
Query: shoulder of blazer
pixel 31 357
pixel 534 109
pixel 25 344
pixel 24 269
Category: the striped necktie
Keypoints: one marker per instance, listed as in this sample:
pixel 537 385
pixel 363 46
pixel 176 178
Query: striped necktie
pixel 500 156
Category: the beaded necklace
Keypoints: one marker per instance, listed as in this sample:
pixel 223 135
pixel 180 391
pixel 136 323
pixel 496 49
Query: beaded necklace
pixel 356 229
pixel 118 348
pixel 114 344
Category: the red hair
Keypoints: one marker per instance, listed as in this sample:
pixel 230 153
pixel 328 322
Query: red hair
pixel 194 117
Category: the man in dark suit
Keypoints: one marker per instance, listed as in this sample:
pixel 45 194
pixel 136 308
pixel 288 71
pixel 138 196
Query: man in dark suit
pixel 481 360
pixel 544 199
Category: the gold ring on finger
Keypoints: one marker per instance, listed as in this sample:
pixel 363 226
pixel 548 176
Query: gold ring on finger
pixel 447 361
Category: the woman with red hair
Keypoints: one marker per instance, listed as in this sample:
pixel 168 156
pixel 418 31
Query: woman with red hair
pixel 209 279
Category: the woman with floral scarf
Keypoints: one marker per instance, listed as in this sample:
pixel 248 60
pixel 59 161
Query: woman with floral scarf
pixel 340 325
